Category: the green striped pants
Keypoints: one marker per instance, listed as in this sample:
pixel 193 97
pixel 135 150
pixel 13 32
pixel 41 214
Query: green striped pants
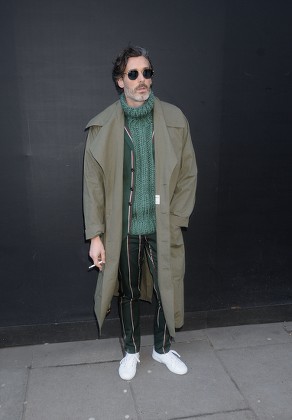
pixel 134 249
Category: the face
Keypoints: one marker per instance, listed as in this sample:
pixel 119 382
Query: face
pixel 136 91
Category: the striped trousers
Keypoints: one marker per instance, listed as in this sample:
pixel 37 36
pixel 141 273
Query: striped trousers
pixel 134 249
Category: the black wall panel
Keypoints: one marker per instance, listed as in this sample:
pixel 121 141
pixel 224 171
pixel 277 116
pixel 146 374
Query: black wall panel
pixel 251 262
pixel 227 64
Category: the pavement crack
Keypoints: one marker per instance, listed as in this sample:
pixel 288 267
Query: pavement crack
pixel 75 364
pixel 24 403
pixel 198 416
pixel 135 402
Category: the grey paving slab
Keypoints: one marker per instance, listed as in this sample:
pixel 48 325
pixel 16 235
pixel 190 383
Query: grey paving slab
pixel 180 337
pixel 248 335
pixel 146 340
pixel 80 392
pixel 264 376
pixel 160 394
pixel 288 327
pixel 235 373
pixel 12 393
pixel 74 353
pixel 15 357
pixel 232 415
pixel 187 336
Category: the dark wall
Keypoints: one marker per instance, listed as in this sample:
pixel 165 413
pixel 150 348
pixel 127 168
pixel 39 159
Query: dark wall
pixel 249 262
pixel 227 64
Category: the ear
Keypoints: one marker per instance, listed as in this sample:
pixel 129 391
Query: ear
pixel 120 83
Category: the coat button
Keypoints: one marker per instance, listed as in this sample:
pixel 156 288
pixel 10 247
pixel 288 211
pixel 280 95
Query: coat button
pixel 131 189
pixel 132 170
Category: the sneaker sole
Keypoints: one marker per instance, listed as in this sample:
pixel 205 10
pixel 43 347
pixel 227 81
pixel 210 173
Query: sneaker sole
pixel 127 379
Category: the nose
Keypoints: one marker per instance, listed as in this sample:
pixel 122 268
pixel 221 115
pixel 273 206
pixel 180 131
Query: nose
pixel 140 76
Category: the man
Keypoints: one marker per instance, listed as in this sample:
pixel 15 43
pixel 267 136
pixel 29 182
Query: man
pixel 139 190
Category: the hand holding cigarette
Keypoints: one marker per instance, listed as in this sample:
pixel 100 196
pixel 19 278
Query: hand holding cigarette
pixel 97 253
pixel 93 265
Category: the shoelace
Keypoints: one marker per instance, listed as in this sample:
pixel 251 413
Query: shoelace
pixel 129 357
pixel 174 352
pixel 173 360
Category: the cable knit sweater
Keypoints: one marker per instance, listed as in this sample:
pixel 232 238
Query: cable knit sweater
pixel 139 122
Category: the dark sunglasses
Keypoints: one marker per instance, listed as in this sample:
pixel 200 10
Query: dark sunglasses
pixel 133 74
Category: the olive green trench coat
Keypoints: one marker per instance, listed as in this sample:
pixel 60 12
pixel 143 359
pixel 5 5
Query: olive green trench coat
pixel 176 176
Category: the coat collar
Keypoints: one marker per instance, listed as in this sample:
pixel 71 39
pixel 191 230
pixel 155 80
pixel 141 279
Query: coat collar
pixel 109 144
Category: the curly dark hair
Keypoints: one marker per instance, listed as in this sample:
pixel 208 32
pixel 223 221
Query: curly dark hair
pixel 121 61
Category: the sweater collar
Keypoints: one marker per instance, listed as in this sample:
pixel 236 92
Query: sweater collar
pixel 137 112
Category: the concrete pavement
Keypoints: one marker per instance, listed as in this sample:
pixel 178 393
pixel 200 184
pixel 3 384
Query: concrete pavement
pixel 235 373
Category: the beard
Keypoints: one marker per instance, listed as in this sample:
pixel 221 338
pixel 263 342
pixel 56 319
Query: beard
pixel 136 96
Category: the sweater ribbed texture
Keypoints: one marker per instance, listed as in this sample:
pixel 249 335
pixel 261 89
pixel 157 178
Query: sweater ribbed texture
pixel 140 124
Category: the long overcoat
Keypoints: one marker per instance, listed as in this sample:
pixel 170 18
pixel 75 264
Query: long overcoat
pixel 176 177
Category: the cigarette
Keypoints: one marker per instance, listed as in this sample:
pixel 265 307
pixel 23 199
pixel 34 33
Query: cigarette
pixel 93 265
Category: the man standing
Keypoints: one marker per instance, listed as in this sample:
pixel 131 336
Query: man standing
pixel 139 190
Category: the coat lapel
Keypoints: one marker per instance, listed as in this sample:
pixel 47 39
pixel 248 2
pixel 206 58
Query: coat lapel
pixel 109 144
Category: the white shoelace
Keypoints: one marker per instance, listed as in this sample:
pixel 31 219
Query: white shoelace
pixel 129 357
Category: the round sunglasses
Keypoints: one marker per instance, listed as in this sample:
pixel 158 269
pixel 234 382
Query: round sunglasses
pixel 133 74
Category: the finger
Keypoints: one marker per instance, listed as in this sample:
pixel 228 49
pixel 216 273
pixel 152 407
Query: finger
pixel 96 260
pixel 100 265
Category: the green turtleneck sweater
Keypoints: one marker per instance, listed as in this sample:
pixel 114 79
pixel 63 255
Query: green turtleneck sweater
pixel 139 122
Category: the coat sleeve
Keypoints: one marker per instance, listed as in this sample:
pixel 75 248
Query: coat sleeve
pixel 93 190
pixel 183 200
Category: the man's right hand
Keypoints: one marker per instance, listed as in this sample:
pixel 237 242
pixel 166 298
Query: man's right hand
pixel 97 252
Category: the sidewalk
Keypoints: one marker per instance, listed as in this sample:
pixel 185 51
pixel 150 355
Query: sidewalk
pixel 235 373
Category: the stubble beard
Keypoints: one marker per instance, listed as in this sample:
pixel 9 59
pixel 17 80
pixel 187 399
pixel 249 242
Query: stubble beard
pixel 136 96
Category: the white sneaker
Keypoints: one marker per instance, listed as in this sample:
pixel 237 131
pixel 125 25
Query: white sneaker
pixel 172 361
pixel 128 365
